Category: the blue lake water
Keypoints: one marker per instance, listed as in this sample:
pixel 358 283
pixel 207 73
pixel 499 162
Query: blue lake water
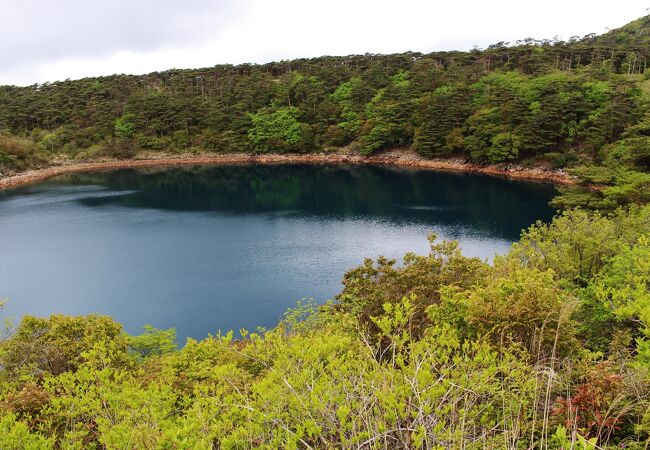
pixel 215 248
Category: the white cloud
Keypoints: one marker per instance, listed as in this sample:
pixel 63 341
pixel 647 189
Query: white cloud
pixel 76 38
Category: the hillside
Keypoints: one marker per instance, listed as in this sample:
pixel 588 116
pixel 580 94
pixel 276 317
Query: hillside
pixel 540 102
pixel 633 36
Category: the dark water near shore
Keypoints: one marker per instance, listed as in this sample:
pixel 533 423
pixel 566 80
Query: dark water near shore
pixel 226 247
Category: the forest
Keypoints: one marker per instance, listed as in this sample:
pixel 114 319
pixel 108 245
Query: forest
pixel 547 347
pixel 580 104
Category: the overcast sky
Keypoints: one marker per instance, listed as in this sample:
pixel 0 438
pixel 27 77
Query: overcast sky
pixel 47 40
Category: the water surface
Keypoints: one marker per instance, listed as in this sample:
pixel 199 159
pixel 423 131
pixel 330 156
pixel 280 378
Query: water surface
pixel 224 247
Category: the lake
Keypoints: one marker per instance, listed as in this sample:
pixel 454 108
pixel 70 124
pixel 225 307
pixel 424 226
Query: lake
pixel 215 248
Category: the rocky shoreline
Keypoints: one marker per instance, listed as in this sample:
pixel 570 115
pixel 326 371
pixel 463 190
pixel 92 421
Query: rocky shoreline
pixel 397 158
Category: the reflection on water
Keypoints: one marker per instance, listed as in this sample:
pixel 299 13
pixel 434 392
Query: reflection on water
pixel 221 247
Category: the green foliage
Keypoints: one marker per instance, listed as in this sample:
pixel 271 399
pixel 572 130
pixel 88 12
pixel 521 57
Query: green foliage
pixel 522 306
pixel 564 441
pixel 275 130
pixel 440 114
pixel 50 142
pixel 153 342
pixel 17 153
pixel 59 344
pixel 389 116
pixel 125 126
pixel 367 289
pixel 577 244
pixel 586 250
pixel 622 176
pixel 629 187
pixel 505 146
pixel 624 286
pixel 15 435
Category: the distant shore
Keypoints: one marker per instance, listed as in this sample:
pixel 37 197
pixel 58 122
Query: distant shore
pixel 397 158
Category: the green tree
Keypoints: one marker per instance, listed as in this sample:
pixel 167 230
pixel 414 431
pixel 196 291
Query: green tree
pixel 624 285
pixel 505 146
pixel 277 130
pixel 439 114
pixel 125 126
pixel 389 116
pixel 153 342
